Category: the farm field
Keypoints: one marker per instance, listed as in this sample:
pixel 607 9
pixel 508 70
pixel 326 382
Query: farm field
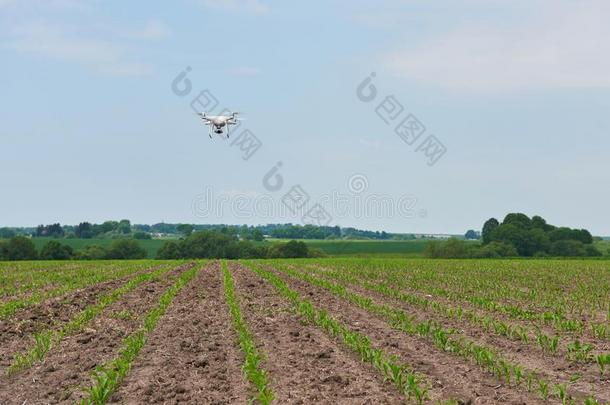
pixel 386 248
pixel 330 330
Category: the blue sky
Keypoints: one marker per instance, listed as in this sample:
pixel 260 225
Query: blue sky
pixel 517 92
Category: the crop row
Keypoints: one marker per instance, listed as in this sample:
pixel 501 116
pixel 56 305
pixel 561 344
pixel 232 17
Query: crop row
pixel 72 281
pixel 574 351
pixel 46 339
pixel 443 339
pixel 252 359
pixel 19 277
pixel 405 379
pixel 24 277
pixel 486 296
pixel 107 377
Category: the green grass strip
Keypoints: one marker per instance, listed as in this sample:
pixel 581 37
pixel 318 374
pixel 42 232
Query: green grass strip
pixel 406 380
pixel 107 377
pixel 46 339
pixel 251 367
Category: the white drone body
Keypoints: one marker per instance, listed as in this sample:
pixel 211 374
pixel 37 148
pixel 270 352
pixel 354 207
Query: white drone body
pixel 218 122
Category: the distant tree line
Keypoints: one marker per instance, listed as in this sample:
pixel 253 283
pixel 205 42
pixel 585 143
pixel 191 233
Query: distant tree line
pixel 290 231
pixel 226 245
pixel 22 248
pixel 203 244
pixel 124 229
pixel 519 235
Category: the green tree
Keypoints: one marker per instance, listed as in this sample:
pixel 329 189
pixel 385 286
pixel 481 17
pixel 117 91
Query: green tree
pixel 509 233
pixel 568 248
pixel 210 244
pixel 471 234
pixel 84 230
pixel 124 226
pixel 125 249
pixel 91 252
pixel 583 235
pixel 3 251
pixel 293 249
pixel 20 248
pixel 497 249
pixel 7 233
pixel 536 240
pixel 562 233
pixel 169 250
pixel 257 235
pixel 108 226
pixel 488 227
pixel 592 251
pixel 540 223
pixel 185 229
pixel 54 250
pixel 452 248
pixel 518 219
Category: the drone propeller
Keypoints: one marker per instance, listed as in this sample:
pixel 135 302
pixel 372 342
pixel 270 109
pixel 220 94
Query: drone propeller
pixel 234 116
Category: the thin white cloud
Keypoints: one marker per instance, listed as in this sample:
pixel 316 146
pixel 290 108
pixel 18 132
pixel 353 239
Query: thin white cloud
pixel 567 47
pixel 51 41
pixel 249 6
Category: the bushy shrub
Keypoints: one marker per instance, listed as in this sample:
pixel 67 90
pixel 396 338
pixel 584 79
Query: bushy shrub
pixel 223 245
pixel 495 250
pixel 125 249
pixel 169 250
pixel 91 252
pixel 53 250
pixel 451 249
pixel 568 248
pixel 20 248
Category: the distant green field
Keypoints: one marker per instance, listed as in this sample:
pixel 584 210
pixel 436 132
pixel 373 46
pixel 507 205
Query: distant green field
pixel 603 246
pixel 330 247
pixel 150 245
pixel 366 247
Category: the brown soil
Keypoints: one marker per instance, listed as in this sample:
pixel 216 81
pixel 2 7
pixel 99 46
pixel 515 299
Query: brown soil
pixel 554 367
pixel 590 369
pixel 18 295
pixel 191 356
pixel 602 345
pixel 67 367
pixel 453 377
pixel 305 365
pixel 16 332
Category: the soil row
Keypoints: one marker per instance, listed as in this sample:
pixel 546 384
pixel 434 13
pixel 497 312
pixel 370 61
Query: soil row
pixel 600 345
pixel 66 369
pixel 191 356
pixel 16 332
pixel 304 364
pixel 556 368
pixel 452 376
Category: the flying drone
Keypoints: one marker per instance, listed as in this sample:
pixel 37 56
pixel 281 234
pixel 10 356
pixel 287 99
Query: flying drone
pixel 218 122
